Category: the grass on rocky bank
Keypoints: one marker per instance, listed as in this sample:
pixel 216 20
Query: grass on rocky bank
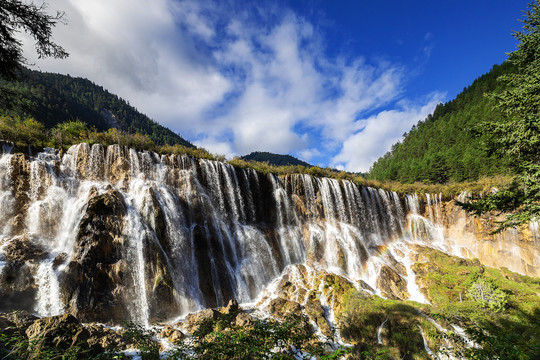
pixel 29 132
pixel 507 332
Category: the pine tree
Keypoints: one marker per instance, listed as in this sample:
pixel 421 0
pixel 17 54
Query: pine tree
pixel 519 135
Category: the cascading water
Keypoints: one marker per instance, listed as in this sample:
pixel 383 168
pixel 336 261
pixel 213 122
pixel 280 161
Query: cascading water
pixel 48 301
pixel 379 331
pixel 148 237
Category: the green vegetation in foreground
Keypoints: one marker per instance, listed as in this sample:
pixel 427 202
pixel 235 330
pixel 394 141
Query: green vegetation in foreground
pixel 401 334
pixel 507 326
pixel 445 146
pixel 221 338
pixel 274 159
pixel 53 99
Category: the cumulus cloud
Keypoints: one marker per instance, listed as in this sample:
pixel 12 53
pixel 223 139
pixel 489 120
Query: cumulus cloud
pixel 236 78
pixel 145 51
pixel 379 132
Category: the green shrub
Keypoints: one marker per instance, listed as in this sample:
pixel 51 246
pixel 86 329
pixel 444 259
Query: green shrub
pixel 487 295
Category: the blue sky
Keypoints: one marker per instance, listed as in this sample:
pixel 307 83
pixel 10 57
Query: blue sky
pixel 334 83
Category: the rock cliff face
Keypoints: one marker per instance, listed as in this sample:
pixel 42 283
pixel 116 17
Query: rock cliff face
pixel 108 233
pixel 452 230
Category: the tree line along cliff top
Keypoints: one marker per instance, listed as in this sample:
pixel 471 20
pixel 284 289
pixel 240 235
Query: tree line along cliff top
pixel 447 145
pixel 53 99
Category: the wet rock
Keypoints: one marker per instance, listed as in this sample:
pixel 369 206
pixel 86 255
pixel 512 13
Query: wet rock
pixel 397 266
pixel 59 260
pixel 364 285
pixel 120 170
pixel 156 218
pixel 20 179
pixel 335 288
pixel 194 320
pixel 104 337
pixel 175 336
pixel 204 244
pixel 391 284
pixel 280 308
pixel 158 281
pixel 162 301
pixel 91 286
pixel 22 248
pixel 515 249
pixel 243 319
pixel 17 286
pixel 316 313
pixel 61 332
pixel 231 308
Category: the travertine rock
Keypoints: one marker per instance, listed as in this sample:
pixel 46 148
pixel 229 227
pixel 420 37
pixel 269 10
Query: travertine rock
pixel 391 284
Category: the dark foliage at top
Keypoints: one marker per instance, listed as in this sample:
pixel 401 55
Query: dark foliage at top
pixel 274 159
pixel 52 99
pixel 15 16
pixel 447 145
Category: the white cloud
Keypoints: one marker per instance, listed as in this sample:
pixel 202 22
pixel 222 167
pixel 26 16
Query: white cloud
pixel 235 78
pixel 138 50
pixel 379 132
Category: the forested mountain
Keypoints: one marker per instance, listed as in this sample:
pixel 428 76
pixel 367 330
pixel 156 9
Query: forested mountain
pixel 274 159
pixel 53 98
pixel 446 146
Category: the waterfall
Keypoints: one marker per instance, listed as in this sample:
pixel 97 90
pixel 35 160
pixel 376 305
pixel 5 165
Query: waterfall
pixel 7 201
pixel 379 331
pixel 426 346
pixel 48 297
pixel 169 234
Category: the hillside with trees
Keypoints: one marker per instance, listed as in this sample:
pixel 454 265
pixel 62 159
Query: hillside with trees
pixel 274 159
pixel 52 99
pixel 447 146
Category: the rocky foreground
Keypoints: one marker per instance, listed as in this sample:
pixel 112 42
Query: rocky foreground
pixel 328 307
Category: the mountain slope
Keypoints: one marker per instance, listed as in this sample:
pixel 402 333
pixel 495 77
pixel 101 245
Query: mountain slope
pixel 53 98
pixel 445 146
pixel 274 159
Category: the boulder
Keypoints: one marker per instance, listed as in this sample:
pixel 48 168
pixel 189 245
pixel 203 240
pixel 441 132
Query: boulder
pixel 280 308
pixel 15 322
pixel 62 332
pixel 243 319
pixel 175 336
pixel 391 284
pixel 5 323
pixel 100 335
pixel 22 248
pixel 21 318
pixel 194 320
pixel 232 308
